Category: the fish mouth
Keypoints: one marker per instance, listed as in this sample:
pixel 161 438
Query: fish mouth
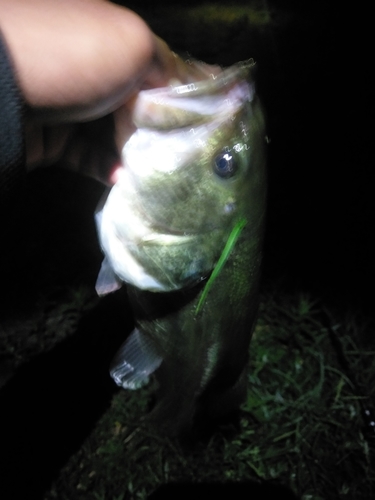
pixel 161 233
pixel 160 228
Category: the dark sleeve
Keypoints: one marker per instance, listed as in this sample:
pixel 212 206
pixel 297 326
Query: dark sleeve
pixel 12 154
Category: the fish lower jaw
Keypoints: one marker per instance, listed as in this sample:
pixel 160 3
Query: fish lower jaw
pixel 127 268
pixel 122 257
pixel 135 275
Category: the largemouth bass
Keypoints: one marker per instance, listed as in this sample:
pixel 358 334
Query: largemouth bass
pixel 183 229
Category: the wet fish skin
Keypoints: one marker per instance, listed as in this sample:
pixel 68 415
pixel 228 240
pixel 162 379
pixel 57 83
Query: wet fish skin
pixel 164 228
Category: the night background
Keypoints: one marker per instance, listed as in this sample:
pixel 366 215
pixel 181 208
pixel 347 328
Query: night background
pixel 314 77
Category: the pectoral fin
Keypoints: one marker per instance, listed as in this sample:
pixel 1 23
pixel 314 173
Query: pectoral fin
pixel 136 359
pixel 107 281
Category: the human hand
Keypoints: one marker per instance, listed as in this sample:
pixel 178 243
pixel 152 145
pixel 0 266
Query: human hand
pixel 79 65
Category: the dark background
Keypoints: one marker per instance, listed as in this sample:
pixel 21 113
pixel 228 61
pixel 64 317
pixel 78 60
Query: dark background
pixel 321 161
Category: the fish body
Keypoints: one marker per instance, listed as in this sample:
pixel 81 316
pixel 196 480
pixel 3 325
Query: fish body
pixel 183 228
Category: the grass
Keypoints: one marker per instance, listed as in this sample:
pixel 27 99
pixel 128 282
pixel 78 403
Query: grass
pixel 55 312
pixel 301 426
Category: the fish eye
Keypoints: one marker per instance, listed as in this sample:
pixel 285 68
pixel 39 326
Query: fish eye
pixel 225 165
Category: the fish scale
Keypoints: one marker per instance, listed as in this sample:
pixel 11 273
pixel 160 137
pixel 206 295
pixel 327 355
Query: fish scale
pixel 183 229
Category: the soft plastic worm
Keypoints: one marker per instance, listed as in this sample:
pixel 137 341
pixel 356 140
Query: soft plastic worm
pixel 233 237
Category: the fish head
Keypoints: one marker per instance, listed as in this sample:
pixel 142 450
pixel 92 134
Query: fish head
pixel 190 173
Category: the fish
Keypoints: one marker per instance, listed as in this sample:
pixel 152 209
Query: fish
pixel 183 229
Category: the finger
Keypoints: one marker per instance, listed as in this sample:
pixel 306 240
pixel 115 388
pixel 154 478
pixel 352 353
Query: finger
pixel 76 59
